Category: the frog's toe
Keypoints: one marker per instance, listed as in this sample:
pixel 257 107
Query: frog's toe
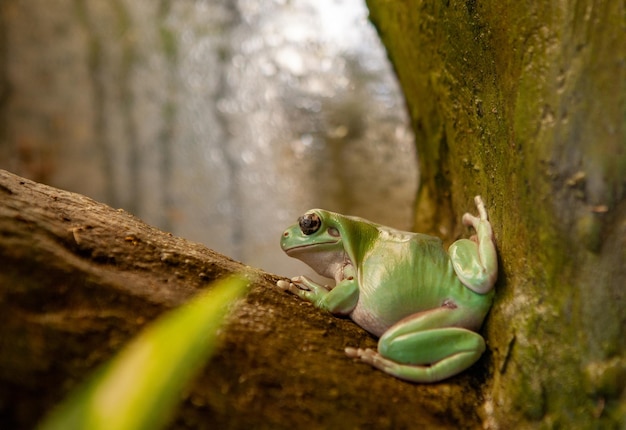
pixel 372 357
pixel 283 285
pixel 353 352
pixel 470 220
pixel 367 355
pixel 480 205
pixel 358 352
pixel 290 287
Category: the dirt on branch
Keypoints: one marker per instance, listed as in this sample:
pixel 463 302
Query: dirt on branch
pixel 78 279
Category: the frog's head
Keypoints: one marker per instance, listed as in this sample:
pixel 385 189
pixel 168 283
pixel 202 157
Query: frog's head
pixel 317 240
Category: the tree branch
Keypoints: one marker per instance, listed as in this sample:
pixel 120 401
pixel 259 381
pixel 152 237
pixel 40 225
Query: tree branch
pixel 79 279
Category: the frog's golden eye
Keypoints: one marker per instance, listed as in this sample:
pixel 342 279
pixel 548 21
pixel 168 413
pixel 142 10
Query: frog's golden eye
pixel 309 223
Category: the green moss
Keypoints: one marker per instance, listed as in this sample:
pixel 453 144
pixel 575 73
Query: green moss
pixel 525 103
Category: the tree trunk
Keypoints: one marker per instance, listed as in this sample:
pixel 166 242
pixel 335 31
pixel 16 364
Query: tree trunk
pixel 525 104
pixel 79 279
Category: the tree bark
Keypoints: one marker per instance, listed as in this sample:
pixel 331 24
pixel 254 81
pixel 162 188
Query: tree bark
pixel 79 279
pixel 525 104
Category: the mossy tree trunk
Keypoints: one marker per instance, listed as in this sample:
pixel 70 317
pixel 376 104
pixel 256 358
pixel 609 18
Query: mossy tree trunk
pixel 525 104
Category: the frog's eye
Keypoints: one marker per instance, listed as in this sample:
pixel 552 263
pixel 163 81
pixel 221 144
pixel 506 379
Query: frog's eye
pixel 309 223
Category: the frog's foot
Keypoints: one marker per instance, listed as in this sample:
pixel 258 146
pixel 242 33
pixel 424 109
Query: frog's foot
pixel 475 260
pixel 288 286
pixel 301 283
pixel 295 288
pixel 358 352
pixel 306 289
pixel 370 357
pixel 470 220
pixel 411 373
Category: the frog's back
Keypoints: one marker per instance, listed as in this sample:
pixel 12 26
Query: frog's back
pixel 409 273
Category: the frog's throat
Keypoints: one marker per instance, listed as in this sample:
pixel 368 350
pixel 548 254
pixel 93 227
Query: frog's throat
pixel 299 248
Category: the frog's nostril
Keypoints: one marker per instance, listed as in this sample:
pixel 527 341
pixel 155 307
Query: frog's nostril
pixel 286 234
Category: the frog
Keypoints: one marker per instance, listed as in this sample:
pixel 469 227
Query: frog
pixel 425 305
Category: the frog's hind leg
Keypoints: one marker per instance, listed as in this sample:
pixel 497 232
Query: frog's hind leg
pixel 426 347
pixel 464 348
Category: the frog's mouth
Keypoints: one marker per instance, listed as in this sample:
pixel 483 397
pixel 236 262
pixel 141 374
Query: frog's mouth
pixel 298 248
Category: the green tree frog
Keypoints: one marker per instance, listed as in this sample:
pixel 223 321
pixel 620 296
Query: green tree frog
pixel 424 304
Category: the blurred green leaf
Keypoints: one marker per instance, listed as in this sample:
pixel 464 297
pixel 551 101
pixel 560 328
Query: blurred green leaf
pixel 140 387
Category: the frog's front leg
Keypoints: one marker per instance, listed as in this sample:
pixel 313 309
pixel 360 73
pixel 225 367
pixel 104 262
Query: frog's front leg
pixel 339 300
pixel 303 287
pixel 425 347
pixel 475 261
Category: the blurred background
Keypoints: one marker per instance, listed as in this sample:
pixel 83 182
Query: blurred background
pixel 221 121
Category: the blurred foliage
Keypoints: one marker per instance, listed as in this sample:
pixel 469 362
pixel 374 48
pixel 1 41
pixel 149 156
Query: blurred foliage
pixel 140 387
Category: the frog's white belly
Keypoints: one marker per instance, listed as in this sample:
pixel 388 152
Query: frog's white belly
pixel 367 320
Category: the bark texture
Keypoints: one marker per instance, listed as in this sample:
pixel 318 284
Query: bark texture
pixel 525 104
pixel 79 279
